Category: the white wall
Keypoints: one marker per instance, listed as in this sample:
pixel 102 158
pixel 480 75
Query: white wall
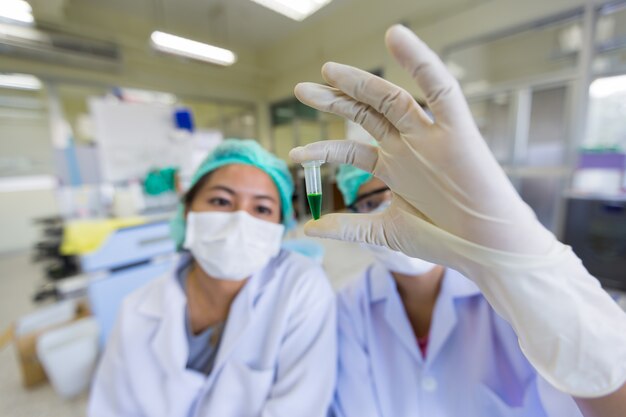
pixel 142 67
pixel 25 146
pixel 300 57
pixel 268 75
pixel 17 211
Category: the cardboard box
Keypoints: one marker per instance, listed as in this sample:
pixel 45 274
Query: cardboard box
pixel 26 349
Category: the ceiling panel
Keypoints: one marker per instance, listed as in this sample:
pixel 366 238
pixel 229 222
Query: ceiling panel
pixel 232 23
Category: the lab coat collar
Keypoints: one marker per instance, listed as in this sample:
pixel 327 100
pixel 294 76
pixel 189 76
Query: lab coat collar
pixel 241 314
pixel 166 304
pixel 384 294
pixel 454 286
pixel 153 303
pixel 381 282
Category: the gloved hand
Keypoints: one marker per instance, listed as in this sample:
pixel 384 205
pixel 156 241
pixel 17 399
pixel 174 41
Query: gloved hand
pixel 454 205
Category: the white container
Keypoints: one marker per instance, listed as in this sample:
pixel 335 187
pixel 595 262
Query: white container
pixel 69 355
pixel 48 316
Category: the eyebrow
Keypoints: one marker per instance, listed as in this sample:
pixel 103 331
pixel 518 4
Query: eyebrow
pixel 369 194
pixel 232 192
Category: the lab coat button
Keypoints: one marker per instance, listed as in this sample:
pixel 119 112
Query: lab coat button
pixel 429 384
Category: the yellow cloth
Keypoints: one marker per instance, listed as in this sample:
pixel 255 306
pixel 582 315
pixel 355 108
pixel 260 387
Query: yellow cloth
pixel 6 337
pixel 83 236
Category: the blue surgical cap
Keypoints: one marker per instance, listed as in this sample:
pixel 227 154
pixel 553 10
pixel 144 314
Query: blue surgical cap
pixel 246 152
pixel 349 180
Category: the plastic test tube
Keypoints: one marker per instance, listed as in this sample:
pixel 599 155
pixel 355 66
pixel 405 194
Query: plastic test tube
pixel 313 181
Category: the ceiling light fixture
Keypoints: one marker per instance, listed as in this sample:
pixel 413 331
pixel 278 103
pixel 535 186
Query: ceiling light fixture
pixel 176 45
pixel 16 11
pixel 294 9
pixel 20 81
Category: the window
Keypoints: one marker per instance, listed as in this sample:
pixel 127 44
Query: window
pixel 26 146
pixel 493 117
pixel 519 85
pixel 607 114
pixel 547 47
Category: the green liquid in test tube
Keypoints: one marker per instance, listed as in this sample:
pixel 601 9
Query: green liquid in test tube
pixel 313 181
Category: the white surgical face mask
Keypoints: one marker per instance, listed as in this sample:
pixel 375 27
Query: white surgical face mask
pixel 231 245
pixel 397 261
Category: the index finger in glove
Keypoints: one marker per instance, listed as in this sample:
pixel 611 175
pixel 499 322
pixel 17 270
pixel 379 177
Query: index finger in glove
pixel 395 103
pixel 333 100
pixel 350 152
pixel 443 94
pixel 361 228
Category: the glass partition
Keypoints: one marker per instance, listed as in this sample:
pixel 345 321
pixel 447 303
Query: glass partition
pixel 75 108
pixel 494 119
pixel 518 84
pixel 606 127
pixel 610 39
pixel 606 116
pixel 26 145
pixel 549 47
pixel 547 132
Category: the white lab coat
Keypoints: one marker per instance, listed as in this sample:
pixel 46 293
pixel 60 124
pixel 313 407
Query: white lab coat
pixel 277 355
pixel 473 367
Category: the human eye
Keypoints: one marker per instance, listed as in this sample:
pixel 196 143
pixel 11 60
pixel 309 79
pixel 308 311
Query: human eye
pixel 371 204
pixel 219 202
pixel 264 210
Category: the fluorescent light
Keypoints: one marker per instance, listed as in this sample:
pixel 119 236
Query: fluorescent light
pixel 20 81
pixel 192 49
pixel 294 9
pixel 604 87
pixel 16 10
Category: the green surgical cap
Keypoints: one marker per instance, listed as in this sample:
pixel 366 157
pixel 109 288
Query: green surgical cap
pixel 246 152
pixel 349 180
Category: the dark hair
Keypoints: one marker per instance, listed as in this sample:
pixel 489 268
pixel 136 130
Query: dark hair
pixel 191 193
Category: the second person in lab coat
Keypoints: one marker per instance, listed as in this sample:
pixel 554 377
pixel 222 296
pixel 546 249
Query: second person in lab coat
pixel 417 339
pixel 240 327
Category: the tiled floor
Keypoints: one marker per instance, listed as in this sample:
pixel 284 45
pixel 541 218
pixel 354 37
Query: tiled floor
pixel 18 281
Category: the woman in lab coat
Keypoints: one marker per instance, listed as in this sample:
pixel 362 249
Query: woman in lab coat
pixel 418 339
pixel 239 327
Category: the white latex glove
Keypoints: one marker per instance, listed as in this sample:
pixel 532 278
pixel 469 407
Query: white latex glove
pixel 454 205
